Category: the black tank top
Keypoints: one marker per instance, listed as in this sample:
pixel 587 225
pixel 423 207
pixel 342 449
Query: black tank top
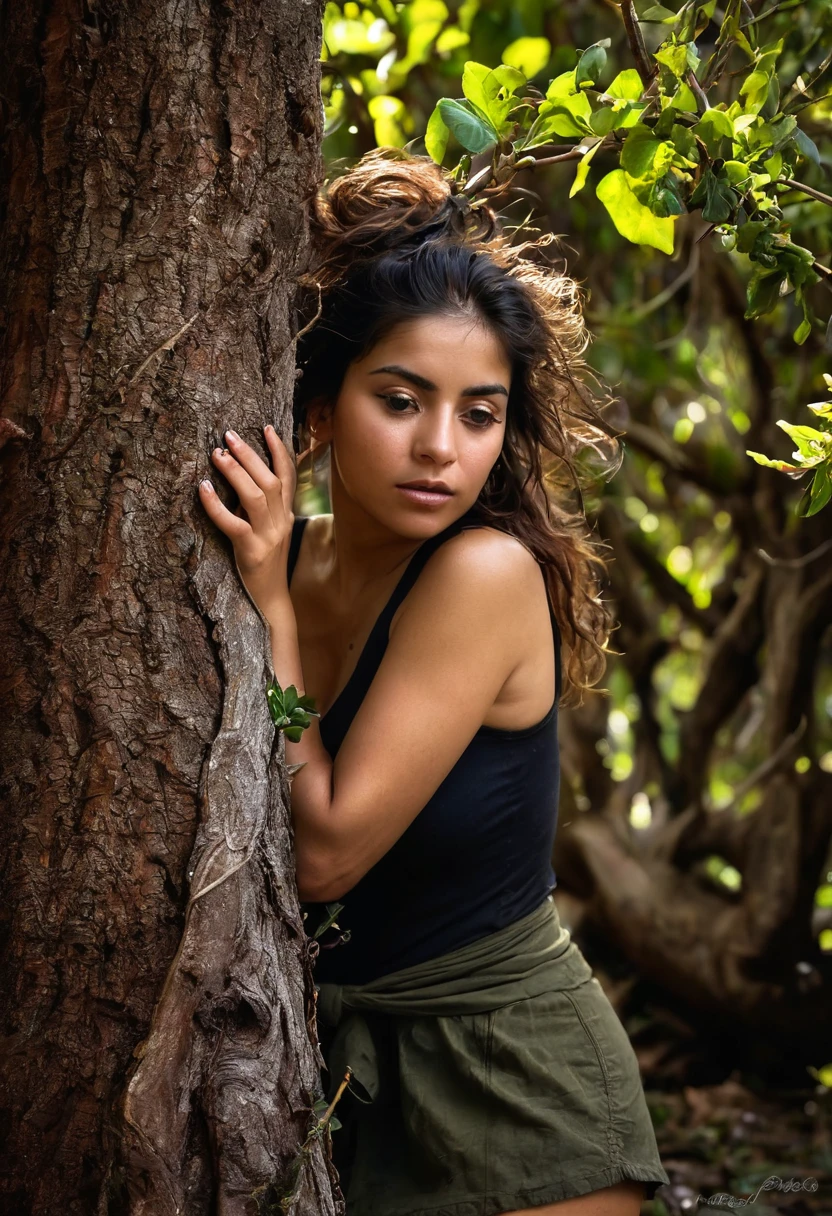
pixel 476 858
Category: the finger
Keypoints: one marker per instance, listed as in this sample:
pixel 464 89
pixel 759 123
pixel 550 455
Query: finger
pixel 226 521
pixel 249 493
pixel 254 465
pixel 284 466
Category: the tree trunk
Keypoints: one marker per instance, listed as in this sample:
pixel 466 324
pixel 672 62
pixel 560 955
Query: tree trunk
pixel 158 1047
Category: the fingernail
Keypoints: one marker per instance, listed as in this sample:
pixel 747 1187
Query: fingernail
pixel 232 435
pixel 206 485
pixel 268 427
pixel 219 451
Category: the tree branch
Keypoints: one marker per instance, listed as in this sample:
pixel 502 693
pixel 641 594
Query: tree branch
pixel 646 69
pixel 810 190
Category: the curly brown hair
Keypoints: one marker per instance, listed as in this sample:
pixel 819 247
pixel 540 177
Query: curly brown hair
pixel 393 238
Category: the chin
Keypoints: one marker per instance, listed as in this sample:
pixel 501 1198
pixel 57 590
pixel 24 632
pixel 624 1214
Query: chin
pixel 422 524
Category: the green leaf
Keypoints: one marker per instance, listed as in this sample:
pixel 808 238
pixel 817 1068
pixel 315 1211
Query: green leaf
pixel 563 114
pixel 657 13
pixel 490 92
pixel 425 21
pixel 680 58
pixel 633 220
pixel 389 115
pixel 820 492
pixel 332 912
pixel 530 55
pixel 721 200
pixel 591 64
pixel 663 199
pixel 640 150
pixel 289 710
pixel 627 85
pixel 713 192
pixel 583 169
pixel 482 94
pixel 436 137
pixel 806 146
pixel 754 90
pixel 712 128
pixel 603 120
pixel 472 131
pixel 781 465
pixel 763 292
pixel 774 166
pixel 812 445
pixel 562 86
pixel 802 332
pixel 685 144
pixel 508 77
pixel 683 98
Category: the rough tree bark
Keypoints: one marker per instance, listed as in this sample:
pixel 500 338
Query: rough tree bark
pixel 158 158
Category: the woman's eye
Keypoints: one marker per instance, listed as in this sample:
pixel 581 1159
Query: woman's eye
pixel 481 417
pixel 393 398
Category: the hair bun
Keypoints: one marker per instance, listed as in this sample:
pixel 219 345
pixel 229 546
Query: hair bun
pixel 389 199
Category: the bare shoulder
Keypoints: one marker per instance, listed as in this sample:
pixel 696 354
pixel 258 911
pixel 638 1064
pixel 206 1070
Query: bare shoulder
pixel 482 571
pixel 486 553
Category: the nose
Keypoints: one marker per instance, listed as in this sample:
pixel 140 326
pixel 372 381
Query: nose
pixel 435 438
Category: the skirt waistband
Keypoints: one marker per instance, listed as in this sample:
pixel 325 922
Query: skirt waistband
pixel 527 958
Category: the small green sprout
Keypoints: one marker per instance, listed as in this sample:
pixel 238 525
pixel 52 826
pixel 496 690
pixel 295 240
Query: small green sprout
pixel 290 712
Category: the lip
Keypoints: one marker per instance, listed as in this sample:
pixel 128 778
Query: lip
pixel 428 493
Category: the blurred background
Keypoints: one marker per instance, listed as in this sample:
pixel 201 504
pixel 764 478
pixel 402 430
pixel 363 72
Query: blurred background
pixel 693 853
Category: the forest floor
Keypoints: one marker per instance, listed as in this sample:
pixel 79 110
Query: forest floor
pixel 736 1128
pixel 741 1122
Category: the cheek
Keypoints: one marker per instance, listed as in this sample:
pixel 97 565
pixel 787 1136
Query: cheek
pixel 482 453
pixel 365 441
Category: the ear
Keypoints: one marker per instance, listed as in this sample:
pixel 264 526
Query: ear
pixel 319 420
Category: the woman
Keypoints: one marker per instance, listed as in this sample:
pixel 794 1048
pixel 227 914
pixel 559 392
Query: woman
pixel 489 1072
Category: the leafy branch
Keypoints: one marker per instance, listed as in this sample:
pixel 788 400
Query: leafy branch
pixel 679 146
pixel 290 711
pixel 814 451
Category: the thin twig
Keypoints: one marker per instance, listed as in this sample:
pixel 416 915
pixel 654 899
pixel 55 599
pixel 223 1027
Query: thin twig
pixel 575 154
pixel 670 291
pixel 811 82
pixel 328 1112
pixel 696 89
pixel 795 563
pixel 168 344
pixel 810 190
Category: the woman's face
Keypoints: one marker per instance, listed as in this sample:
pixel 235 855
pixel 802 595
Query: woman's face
pixel 426 405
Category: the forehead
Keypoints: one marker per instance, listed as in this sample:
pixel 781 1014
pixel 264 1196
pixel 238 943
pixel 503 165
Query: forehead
pixel 446 347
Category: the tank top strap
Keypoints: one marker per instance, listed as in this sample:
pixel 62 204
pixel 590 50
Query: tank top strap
pixel 412 571
pixel 294 544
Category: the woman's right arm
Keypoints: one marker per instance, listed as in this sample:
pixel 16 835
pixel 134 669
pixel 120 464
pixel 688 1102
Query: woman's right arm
pixel 462 631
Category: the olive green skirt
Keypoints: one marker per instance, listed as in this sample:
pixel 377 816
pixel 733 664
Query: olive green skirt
pixel 525 1103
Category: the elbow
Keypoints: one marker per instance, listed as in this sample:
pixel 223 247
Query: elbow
pixel 319 881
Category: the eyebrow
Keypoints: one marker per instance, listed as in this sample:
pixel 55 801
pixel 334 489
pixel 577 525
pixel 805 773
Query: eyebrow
pixel 477 390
